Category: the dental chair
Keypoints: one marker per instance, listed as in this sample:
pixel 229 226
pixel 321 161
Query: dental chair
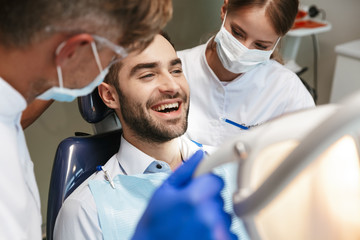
pixel 76 157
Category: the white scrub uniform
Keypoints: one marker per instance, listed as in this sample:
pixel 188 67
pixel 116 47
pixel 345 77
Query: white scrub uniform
pixel 251 99
pixel 20 215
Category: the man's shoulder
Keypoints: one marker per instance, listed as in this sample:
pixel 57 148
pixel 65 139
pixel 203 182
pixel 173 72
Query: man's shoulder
pixel 82 192
pixel 77 218
pixel 79 207
pixel 81 196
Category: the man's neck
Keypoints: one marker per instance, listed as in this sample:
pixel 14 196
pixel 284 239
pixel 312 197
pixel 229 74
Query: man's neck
pixel 168 152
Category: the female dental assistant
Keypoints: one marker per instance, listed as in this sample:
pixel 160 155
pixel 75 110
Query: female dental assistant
pixel 234 78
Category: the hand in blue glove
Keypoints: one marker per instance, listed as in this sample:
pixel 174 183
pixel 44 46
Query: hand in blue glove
pixel 186 208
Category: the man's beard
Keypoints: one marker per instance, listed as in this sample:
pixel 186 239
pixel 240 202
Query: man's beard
pixel 148 128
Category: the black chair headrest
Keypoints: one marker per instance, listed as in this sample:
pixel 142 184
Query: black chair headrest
pixel 92 108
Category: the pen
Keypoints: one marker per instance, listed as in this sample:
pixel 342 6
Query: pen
pixel 234 123
pixel 107 176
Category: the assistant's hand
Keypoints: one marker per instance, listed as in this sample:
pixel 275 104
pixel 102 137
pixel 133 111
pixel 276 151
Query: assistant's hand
pixel 186 208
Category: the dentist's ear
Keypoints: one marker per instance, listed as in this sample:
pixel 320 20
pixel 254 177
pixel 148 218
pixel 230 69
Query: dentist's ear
pixel 109 95
pixel 223 9
pixel 72 47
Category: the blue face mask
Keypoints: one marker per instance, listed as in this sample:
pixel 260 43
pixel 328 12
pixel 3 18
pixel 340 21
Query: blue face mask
pixel 63 94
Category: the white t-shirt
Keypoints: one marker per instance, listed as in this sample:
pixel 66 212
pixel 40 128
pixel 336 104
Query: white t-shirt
pixel 20 215
pixel 253 98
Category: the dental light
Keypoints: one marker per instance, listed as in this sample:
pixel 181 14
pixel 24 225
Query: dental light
pixel 298 175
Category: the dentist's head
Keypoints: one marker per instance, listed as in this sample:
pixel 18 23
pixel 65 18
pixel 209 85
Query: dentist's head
pixel 251 31
pixel 60 47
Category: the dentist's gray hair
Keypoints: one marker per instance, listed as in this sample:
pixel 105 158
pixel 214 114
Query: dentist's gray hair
pixel 23 22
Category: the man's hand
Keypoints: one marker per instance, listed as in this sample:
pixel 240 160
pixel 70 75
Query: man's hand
pixel 186 208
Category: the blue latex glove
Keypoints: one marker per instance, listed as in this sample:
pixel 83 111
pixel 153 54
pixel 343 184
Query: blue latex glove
pixel 186 208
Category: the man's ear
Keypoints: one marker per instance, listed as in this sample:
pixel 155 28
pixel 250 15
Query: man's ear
pixel 72 46
pixel 223 9
pixel 109 95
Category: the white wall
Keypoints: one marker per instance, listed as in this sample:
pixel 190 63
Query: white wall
pixel 193 22
pixel 345 19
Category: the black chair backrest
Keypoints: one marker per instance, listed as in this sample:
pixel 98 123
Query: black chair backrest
pixel 75 160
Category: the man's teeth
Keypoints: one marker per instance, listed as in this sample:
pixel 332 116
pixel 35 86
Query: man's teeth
pixel 167 106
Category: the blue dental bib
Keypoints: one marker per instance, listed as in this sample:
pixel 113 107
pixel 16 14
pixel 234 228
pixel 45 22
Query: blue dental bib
pixel 120 209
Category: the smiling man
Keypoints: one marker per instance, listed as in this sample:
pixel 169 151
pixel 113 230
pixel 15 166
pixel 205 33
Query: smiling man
pixel 150 95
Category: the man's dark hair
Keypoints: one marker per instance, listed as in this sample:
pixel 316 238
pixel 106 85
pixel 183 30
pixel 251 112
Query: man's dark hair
pixel 112 77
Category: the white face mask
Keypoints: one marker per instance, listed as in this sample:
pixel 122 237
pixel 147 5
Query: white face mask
pixel 236 57
pixel 63 94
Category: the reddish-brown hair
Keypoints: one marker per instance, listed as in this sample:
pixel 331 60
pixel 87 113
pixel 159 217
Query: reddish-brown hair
pixel 281 13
